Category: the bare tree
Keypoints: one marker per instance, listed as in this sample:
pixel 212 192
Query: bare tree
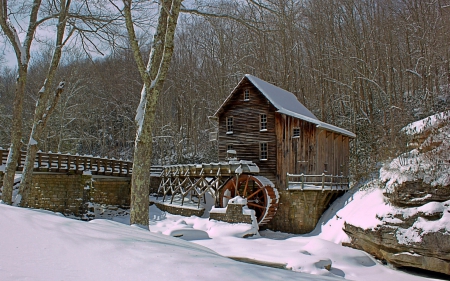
pixel 153 75
pixel 22 52
pixel 86 19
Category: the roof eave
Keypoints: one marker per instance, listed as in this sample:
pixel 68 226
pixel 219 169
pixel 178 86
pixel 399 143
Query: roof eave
pixel 319 124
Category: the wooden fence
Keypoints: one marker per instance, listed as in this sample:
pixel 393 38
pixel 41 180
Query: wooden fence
pixel 316 182
pixel 66 163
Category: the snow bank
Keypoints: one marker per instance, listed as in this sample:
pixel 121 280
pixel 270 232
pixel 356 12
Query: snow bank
pixel 362 208
pixel 42 246
pixel 420 126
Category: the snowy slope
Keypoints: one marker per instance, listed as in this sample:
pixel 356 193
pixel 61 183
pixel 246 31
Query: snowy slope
pixel 39 245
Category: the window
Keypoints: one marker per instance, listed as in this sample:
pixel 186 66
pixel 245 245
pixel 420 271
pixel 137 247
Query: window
pixel 229 125
pixel 246 95
pixel 263 125
pixel 263 150
pixel 296 133
pixel 229 147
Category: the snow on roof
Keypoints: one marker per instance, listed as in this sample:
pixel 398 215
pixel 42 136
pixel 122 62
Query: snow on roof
pixel 288 104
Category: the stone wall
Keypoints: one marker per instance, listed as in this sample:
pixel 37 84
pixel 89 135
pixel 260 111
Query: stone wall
pixel 66 194
pixel 154 184
pixel 299 211
pixel 179 210
pixel 233 214
pixel 111 191
pixel 70 194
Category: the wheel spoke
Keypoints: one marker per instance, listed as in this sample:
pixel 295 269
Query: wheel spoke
pixel 245 188
pixel 254 193
pixel 256 205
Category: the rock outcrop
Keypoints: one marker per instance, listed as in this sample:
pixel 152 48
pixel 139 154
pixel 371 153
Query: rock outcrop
pixel 417 193
pixel 401 242
pixel 416 233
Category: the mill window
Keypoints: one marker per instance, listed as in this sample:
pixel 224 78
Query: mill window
pixel 229 125
pixel 296 133
pixel 263 150
pixel 263 125
pixel 246 95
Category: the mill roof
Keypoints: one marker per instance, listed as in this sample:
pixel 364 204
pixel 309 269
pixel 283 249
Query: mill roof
pixel 286 103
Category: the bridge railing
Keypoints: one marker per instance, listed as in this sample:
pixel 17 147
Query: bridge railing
pixel 65 163
pixel 317 182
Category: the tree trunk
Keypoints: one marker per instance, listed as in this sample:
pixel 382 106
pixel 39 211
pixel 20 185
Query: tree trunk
pixel 42 115
pixel 22 53
pixel 153 77
pixel 16 137
pixel 46 103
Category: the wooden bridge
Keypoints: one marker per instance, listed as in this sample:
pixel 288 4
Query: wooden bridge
pixel 75 164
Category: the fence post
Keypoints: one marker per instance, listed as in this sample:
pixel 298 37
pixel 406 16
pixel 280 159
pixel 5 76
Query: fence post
pixel 323 180
pixel 287 181
pixel 303 181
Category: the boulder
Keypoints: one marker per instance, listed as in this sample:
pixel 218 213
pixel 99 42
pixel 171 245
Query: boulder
pixel 417 193
pixel 432 253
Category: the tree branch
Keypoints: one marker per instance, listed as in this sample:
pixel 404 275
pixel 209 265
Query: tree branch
pixel 214 15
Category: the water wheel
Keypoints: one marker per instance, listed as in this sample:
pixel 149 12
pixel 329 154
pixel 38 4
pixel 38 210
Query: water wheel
pixel 259 191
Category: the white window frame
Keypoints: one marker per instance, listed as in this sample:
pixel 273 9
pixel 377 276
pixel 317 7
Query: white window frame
pixel 246 95
pixel 263 151
pixel 263 122
pixel 229 125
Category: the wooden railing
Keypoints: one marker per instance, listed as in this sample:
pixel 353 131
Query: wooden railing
pixel 67 163
pixel 316 182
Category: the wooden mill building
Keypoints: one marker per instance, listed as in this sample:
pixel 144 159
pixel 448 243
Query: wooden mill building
pixel 269 126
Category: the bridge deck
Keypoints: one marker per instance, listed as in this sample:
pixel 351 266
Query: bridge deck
pixel 212 169
pixel 67 163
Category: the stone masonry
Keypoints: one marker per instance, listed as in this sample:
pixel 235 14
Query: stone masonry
pixel 233 214
pixel 177 210
pixel 70 194
pixel 300 210
pixel 111 191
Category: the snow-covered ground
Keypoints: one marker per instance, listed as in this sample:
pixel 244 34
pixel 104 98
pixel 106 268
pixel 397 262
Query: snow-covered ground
pixel 300 253
pixel 41 245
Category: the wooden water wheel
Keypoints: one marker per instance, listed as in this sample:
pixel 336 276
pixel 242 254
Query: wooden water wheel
pixel 259 191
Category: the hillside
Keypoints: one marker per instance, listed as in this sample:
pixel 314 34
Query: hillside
pixel 403 216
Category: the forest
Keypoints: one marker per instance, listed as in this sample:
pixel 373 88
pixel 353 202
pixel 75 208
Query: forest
pixel 369 66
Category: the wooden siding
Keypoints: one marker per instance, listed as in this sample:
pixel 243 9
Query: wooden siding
pixel 314 152
pixel 246 137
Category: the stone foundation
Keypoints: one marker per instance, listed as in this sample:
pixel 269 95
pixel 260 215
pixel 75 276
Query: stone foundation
pixel 111 191
pixel 299 211
pixel 154 184
pixel 70 194
pixel 233 213
pixel 179 210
